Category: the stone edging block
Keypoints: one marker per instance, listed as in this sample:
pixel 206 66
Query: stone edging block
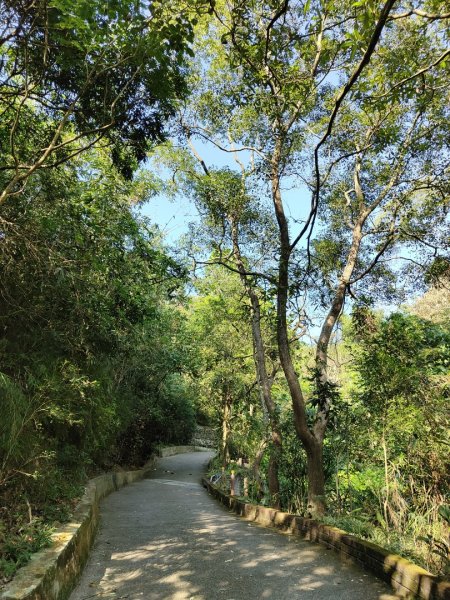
pixel 53 572
pixel 407 579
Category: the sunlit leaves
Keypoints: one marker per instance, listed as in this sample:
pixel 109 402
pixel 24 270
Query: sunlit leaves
pixel 89 70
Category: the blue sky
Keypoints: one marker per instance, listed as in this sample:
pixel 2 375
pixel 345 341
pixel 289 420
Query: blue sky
pixel 173 216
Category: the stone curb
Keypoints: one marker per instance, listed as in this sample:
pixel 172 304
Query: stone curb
pixel 407 579
pixel 52 572
pixel 172 450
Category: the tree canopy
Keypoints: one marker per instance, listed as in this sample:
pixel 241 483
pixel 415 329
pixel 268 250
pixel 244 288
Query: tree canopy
pixel 311 95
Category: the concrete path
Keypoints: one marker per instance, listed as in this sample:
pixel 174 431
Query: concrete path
pixel 166 538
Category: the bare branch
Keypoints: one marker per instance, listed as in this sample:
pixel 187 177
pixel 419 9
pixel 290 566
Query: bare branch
pixel 197 156
pixel 208 136
pixel 357 72
pixel 391 238
pixel 420 13
pixel 282 10
pixel 344 92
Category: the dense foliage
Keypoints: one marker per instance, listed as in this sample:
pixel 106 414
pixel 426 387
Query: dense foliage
pixel 386 455
pixel 92 348
pixel 315 336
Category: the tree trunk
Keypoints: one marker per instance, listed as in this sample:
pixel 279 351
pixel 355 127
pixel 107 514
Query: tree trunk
pixel 256 468
pixel 313 445
pixel 226 415
pixel 274 466
pixel 316 480
pixel 264 380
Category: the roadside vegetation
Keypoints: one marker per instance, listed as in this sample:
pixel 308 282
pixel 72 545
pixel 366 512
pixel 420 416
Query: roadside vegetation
pixel 306 313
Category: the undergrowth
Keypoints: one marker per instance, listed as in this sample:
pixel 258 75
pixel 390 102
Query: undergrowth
pixel 423 539
pixel 18 541
pixel 421 543
pixel 36 505
pixel 30 513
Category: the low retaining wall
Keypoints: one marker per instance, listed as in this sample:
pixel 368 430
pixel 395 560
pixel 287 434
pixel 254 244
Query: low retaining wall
pixel 407 580
pixel 53 572
pixel 172 450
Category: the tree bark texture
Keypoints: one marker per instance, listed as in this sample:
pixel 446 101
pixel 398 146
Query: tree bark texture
pixel 316 480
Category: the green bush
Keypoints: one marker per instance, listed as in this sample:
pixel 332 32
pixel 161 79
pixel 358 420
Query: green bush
pixel 19 543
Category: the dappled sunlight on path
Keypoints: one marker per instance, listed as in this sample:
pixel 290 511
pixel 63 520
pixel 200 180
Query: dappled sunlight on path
pixel 165 538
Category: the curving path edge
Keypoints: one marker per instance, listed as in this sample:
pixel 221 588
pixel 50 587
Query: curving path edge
pixel 407 579
pixel 164 538
pixel 52 572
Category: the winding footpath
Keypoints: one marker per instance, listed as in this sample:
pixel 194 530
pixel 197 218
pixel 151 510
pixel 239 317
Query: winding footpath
pixel 165 538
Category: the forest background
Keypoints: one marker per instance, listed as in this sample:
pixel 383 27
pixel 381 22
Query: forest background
pixel 305 313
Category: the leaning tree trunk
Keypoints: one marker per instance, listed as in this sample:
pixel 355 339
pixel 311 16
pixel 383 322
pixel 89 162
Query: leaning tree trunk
pixel 312 438
pixel 312 444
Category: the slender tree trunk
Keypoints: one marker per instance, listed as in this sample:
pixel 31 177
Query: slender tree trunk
pixel 260 362
pixel 312 438
pixel 226 415
pixel 274 466
pixel 315 472
pixel 313 445
pixel 257 465
pixel 265 387
pixel 261 370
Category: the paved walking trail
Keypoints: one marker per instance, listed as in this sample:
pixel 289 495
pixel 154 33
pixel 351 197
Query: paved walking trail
pixel 165 538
